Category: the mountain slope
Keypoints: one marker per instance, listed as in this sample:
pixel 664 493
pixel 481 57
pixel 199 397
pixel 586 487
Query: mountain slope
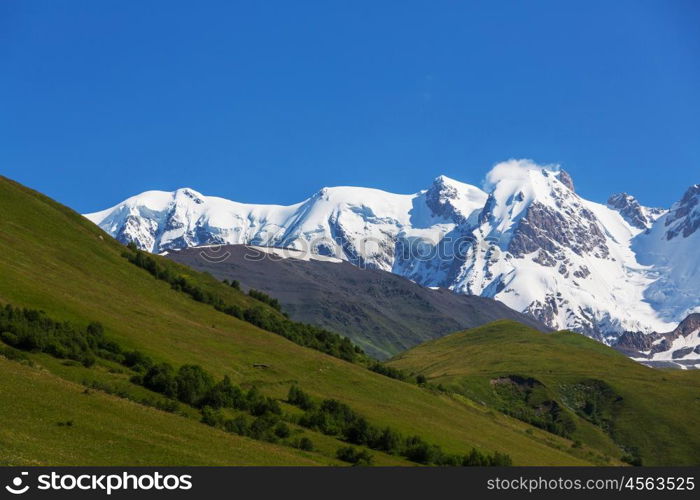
pixel 53 259
pixel 528 239
pixel 679 348
pixel 380 311
pixel 603 392
pixel 107 430
pixel 670 247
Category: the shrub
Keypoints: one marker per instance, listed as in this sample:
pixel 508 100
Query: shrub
pixel 225 395
pixel 263 297
pixel 212 417
pixel 161 378
pixel 388 371
pixel 238 425
pixel 304 443
pixel 282 430
pixel 137 361
pixel 354 456
pixel 193 384
pixel 33 330
pixel 299 398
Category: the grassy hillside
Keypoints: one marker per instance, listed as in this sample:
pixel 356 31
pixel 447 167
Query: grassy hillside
pixel 53 259
pixel 47 421
pixel 610 399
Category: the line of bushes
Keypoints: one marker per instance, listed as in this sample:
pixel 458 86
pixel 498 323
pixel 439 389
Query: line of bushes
pixel 194 386
pixel 271 320
pixel 32 330
pixel 334 418
pixel 265 298
pixel 389 371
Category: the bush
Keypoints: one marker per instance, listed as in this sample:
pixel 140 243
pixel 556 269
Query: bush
pixel 259 405
pixel 282 430
pixel 265 298
pixel 193 384
pixel 212 417
pixel 389 441
pixel 388 371
pixel 299 398
pixel 303 443
pixel 225 395
pixel 161 379
pixel 263 427
pixel 13 354
pixel 33 330
pixel 354 456
pixel 238 425
pixel 137 361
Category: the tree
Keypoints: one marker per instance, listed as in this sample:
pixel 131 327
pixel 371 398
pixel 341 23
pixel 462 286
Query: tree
pixel 389 441
pixel 224 395
pixel 354 456
pixel 137 361
pixel 305 444
pixel 161 378
pixel 299 398
pixel 193 383
pixel 282 430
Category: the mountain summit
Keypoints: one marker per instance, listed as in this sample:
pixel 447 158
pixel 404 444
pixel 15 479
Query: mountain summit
pixel 527 239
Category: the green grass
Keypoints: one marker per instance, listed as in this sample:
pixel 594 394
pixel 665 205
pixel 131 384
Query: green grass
pixel 53 259
pixel 657 414
pixel 106 430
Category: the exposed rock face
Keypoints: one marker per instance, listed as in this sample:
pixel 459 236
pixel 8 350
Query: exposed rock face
pixel 683 343
pixel 684 217
pixel 566 179
pixel 438 198
pixel 634 213
pixel 452 200
pixel 548 229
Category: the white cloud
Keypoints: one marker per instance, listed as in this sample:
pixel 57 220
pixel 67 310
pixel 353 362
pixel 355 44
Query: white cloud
pixel 514 170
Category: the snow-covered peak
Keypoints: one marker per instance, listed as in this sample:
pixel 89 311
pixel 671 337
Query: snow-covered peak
pixel 635 214
pixel 188 194
pixel 523 193
pixel 684 217
pixel 454 200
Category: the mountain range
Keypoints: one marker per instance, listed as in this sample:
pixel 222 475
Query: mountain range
pixel 526 238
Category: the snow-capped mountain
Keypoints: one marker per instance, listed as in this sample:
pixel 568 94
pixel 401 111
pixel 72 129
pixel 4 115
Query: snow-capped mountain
pixel 527 238
pixel 635 214
pixel 671 247
pixel 680 347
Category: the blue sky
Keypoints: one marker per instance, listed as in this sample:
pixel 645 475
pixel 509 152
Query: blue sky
pixel 268 101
